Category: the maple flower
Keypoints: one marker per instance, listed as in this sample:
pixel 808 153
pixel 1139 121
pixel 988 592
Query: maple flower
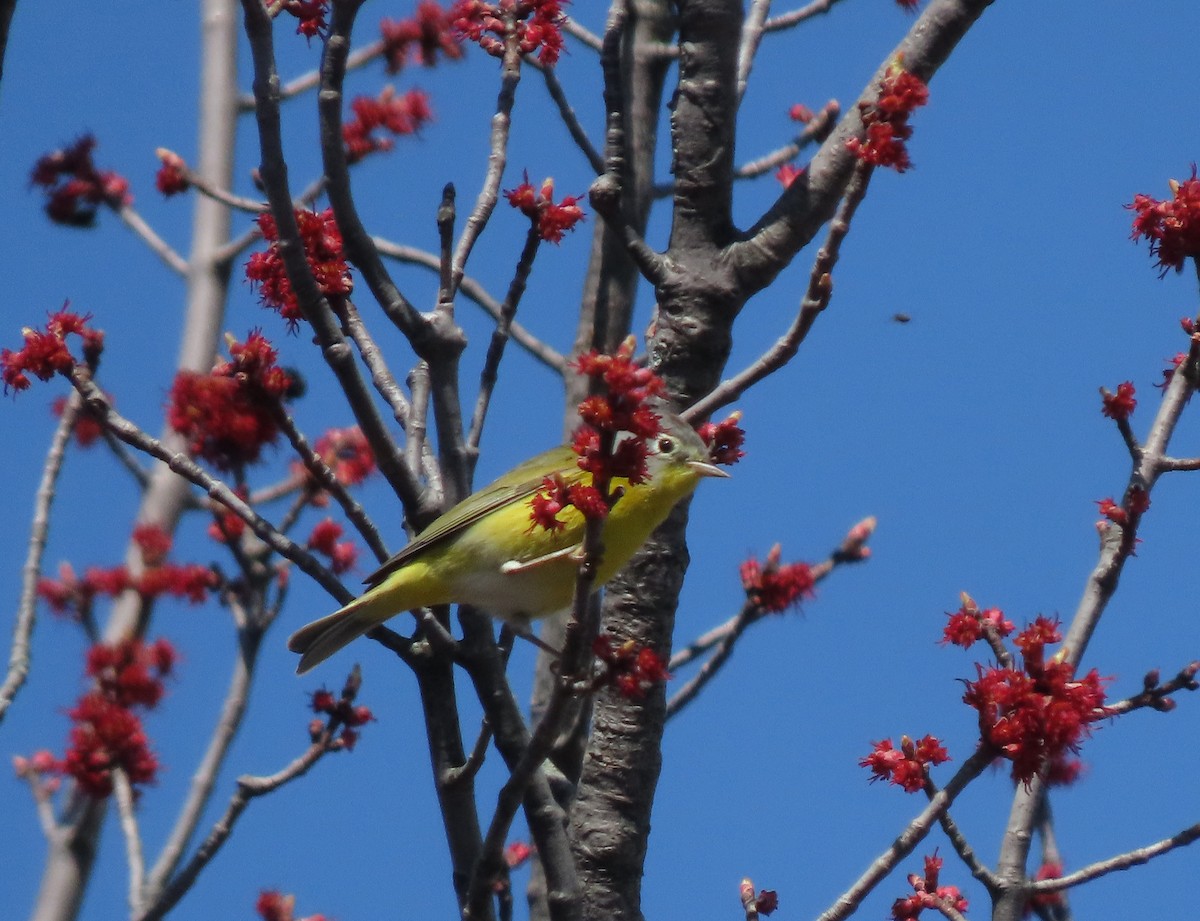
pixel 1049 870
pixel 395 115
pixel 537 25
pixel 70 596
pixel 228 415
pixel 927 893
pixel 227 526
pixel 74 187
pixel 324 540
pixel 789 173
pixel 1038 715
pixel 322 249
pixel 773 586
pixel 1173 364
pixel 906 766
pixel 130 673
pixel 171 178
pixel 550 221
pixel 724 439
pixel 45 353
pixel 1171 226
pixel 275 906
pixel 104 736
pixel 632 670
pixel 88 428
pixel 623 407
pixel 345 452
pixel 885 120
pixel 516 853
pixel 423 37
pixel 1119 405
pixel 766 902
pixel 341 711
pixel 968 623
pixel 799 112
pixel 310 15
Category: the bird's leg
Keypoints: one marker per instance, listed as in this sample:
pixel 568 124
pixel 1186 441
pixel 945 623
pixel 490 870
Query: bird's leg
pixel 511 567
pixel 521 628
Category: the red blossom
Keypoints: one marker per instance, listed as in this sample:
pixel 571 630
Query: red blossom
pixel 74 187
pixel 130 673
pixel 789 173
pixel 310 15
pixel 905 767
pixel 322 249
pixel 388 114
pixel 275 906
pixel 346 453
pixel 536 23
pixel 423 37
pixel 550 221
pixel 799 112
pixel 45 353
pixel 191 582
pixel 153 542
pixel 227 416
pixel 106 735
pixel 1173 364
pixel 517 853
pixel 88 428
pixel 1037 715
pixel 773 586
pixel 172 176
pixel 341 711
pixel 766 902
pixel 324 540
pixel 1171 226
pixel 724 439
pixel 1051 869
pixel 227 525
pixel 632 670
pixel 885 120
pixel 1120 405
pixel 927 893
pixel 70 596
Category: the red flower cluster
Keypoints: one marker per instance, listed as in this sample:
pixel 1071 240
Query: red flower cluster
pixel 341 711
pixel 228 415
pixel 621 408
pixel 1173 226
pixel 107 733
pixel 422 37
pixel 968 624
pixel 346 453
pixel 397 115
pixel 88 428
pixel 632 670
pixel 766 902
pixel 1046 900
pixel 187 580
pixel 516 854
pixel 1173 364
pixel 927 893
pixel 275 906
pixel 788 173
pixel 1137 501
pixel 537 23
pixel 1119 405
pixel 886 120
pixel 75 188
pixel 550 221
pixel 171 178
pixel 227 526
pixel 324 540
pixel 909 6
pixel 724 439
pixel 905 767
pixel 45 354
pixel 799 112
pixel 1037 715
pixel 310 15
pixel 322 248
pixel 775 586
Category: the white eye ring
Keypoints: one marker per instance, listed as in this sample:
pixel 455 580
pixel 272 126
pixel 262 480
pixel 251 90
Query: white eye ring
pixel 666 445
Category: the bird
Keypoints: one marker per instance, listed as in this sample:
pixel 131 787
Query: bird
pixel 486 552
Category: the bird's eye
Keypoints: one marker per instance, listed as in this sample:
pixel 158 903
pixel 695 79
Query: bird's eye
pixel 666 445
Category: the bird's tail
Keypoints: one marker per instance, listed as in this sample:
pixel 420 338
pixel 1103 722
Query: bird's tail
pixel 317 641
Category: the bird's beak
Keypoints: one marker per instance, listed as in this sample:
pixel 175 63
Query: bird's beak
pixel 705 469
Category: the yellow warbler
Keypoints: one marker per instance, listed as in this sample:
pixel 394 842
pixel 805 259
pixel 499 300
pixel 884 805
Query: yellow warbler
pixel 484 551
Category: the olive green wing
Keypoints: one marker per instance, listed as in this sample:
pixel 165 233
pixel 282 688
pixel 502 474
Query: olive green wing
pixel 519 483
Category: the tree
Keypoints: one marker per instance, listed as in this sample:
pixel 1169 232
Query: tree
pixel 702 275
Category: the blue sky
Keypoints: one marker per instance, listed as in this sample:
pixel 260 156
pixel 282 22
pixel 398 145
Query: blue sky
pixel 973 433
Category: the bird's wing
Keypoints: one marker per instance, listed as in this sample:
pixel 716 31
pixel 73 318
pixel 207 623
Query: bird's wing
pixel 523 480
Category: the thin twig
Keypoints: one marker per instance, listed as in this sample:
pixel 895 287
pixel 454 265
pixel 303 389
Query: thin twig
pixel 963 848
pixel 815 132
pixel 567 113
pixel 310 80
pixel 491 363
pixel 587 37
pixel 820 290
pixel 160 247
pixel 794 18
pixel 752 34
pixel 39 528
pixel 133 838
pixel 474 762
pixel 475 292
pixel 1120 862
